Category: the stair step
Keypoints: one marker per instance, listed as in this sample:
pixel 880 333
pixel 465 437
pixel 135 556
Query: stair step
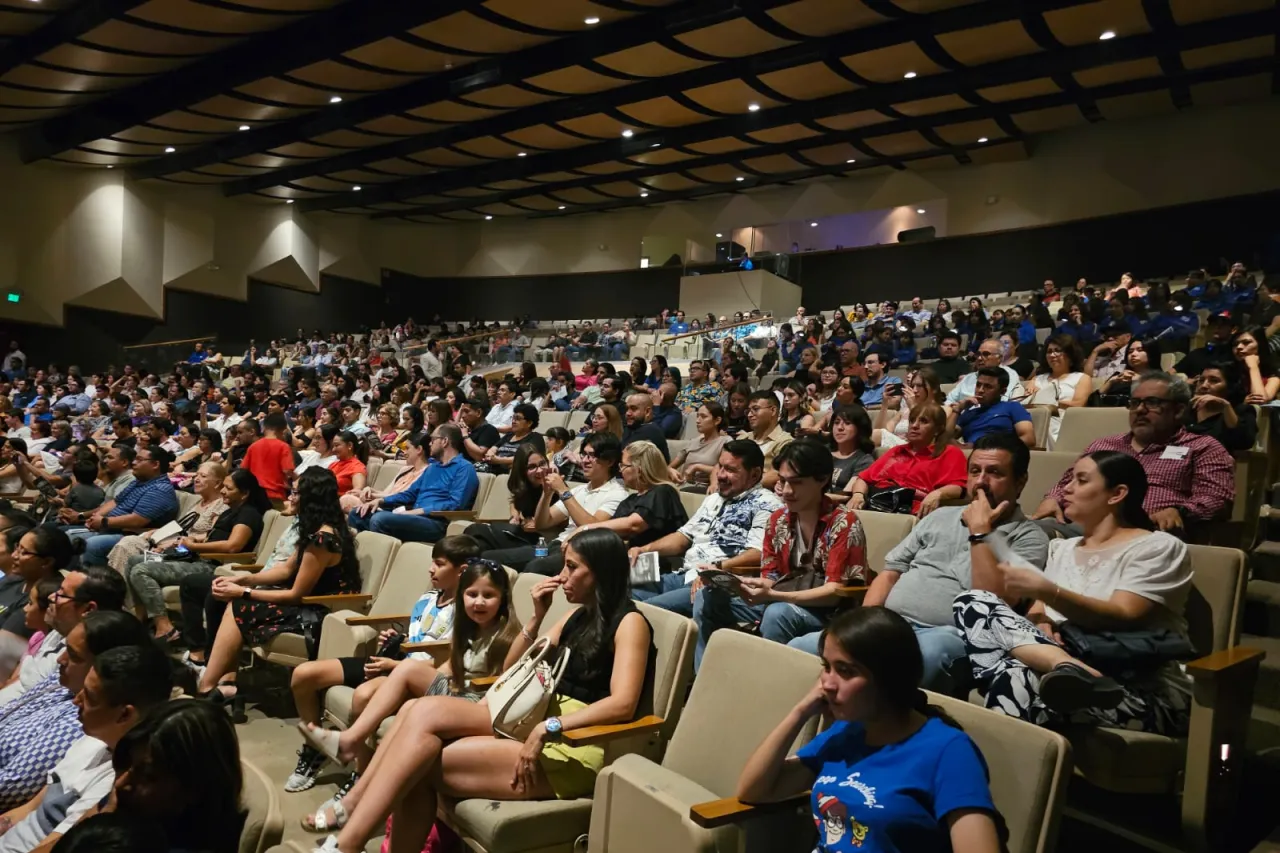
pixel 1262 608
pixel 1267 693
pixel 1264 561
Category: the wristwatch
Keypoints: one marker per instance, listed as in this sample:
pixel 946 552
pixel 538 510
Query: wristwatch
pixel 554 728
pixel 977 538
pixel 247 591
pixel 566 496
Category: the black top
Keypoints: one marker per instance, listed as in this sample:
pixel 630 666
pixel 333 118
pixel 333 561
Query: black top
pixel 83 497
pixel 734 427
pixel 13 596
pixel 1235 439
pixel 790 426
pixel 588 674
pixel 486 435
pixel 1198 359
pixel 510 444
pixel 243 514
pixel 1024 367
pixel 647 432
pixel 846 469
pixel 661 509
pixel 950 370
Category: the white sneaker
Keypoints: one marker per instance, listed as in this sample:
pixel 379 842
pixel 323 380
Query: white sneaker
pixel 303 777
pixel 330 845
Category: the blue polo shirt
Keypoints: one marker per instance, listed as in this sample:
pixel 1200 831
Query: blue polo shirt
pixel 441 488
pixel 873 395
pixel 677 328
pixel 155 500
pixel 976 421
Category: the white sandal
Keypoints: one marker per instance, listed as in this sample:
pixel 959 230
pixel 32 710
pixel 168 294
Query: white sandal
pixel 320 823
pixel 330 845
pixel 324 741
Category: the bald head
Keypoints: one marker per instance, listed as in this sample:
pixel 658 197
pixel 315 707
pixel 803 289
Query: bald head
pixel 639 409
pixel 668 390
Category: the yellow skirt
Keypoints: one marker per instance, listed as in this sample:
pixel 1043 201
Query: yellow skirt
pixel 571 770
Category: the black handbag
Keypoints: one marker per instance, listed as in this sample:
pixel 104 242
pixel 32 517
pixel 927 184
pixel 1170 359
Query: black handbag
pixel 1125 652
pixel 897 499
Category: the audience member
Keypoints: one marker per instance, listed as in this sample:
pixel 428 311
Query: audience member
pixel 499 457
pixel 916 476
pixel 852 451
pixel 1216 350
pixel 989 355
pixel 877 381
pixel 762 415
pixel 949 366
pixel 34 554
pixel 1061 382
pixel 147 503
pixel 640 425
pixel 986 412
pixel 1218 409
pixel 1141 356
pixel 699 390
pixel 1249 347
pixel 197 522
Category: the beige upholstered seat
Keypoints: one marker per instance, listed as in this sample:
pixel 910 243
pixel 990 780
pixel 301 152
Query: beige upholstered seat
pixel 547 420
pixel 264 825
pixel 1082 426
pixel 1046 469
pixel 386 475
pixel 374 552
pixel 883 530
pixel 273 527
pixel 1040 416
pixel 491 826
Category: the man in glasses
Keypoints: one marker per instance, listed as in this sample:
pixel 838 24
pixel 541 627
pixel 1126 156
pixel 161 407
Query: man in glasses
pixel 989 355
pixel 1190 477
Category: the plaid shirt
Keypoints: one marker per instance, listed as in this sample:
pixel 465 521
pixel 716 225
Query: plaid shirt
pixel 839 548
pixel 1203 480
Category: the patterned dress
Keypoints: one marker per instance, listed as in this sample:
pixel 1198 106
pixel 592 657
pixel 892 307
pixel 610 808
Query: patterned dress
pixel 260 621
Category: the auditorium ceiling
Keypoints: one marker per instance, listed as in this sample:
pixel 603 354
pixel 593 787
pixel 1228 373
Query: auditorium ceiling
pixel 434 110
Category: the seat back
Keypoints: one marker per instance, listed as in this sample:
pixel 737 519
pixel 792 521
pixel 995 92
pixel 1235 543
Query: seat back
pixel 273 526
pixel 1219 577
pixel 689 432
pixel 522 601
pixel 665 691
pixel 691 501
pixel 1028 767
pixel 187 502
pixel 386 475
pixel 374 552
pixel 547 420
pixel 576 420
pixel 371 470
pixel 883 530
pixel 1044 472
pixel 745 686
pixel 1081 426
pixel 497 503
pixel 1040 424
pixel 482 493
pixel 264 823
pixel 405 580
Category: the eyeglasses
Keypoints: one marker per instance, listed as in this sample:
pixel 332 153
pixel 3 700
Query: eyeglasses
pixel 59 595
pixel 1150 403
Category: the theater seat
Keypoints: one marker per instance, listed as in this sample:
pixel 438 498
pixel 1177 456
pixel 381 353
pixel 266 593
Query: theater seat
pixel 273 527
pixel 264 824
pixel 1082 426
pixel 1044 472
pixel 883 530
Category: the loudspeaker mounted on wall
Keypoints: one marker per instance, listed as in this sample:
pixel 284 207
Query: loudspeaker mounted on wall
pixel 917 235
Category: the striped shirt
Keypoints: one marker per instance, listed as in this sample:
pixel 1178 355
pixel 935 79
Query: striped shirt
pixel 154 500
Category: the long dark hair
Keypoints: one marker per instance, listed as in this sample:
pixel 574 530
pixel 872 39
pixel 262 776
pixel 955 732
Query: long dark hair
pixel 193 745
pixel 518 483
pixel 605 554
pixel 317 507
pixel 358 445
pixel 465 631
pixel 1121 469
pixel 255 495
pixel 857 417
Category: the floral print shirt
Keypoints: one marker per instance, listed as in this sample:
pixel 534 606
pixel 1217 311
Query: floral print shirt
pixel 839 548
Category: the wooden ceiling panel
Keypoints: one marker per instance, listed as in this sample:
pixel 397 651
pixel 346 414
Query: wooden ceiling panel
pixel 508 97
pixel 891 64
pixel 579 195
pixel 451 112
pixel 400 166
pixel 122 35
pixel 1051 118
pixel 1193 11
pixel 321 183
pixel 360 177
pixel 650 60
pixel 574 81
pixel 464 31
pixel 852 121
pixel 825 17
pixel 277 90
pixel 723 174
pixel 720 146
pixel 928 106
pixel 1220 54
pixel 1017 91
pixel 396 54
pixel 662 112
pixel 189 122
pixel 833 155
pixel 14 24
pixel 543 137
pixel 1135 106
pixel 785 133
pixel 774 164
pixel 609 167
pixel 1239 90
pixel 897 144
pixel 806 82
pixel 230 170
pixel 490 147
pixel 620 189
pixel 729 98
pixel 347 139
pixel 563 15
pixel 738 37
pixel 1118 72
pixel 399 125
pixel 305 150
pixel 445 157
pixel 1000 152
pixel 1083 24
pixel 662 156
pixel 993 43
pixel 339 77
pixel 11 97
pixel 671 182
pixel 84 58
pixel 239 110
pixel 47 78
pixel 199 17
pixel 969 132
pixel 509 186
pixel 148 135
pixel 597 126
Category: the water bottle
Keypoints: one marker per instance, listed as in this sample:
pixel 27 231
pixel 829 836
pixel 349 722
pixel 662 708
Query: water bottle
pixel 540 550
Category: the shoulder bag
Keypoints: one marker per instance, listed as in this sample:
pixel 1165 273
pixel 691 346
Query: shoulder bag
pixel 518 700
pixel 1125 652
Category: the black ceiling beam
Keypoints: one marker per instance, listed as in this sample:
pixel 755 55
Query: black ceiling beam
pixel 312 39
pixel 1014 70
pixel 810 50
pixel 64 27
pixel 486 73
pixel 1241 68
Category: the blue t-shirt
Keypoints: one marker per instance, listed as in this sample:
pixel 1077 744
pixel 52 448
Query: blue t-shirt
pixel 976 421
pixel 895 798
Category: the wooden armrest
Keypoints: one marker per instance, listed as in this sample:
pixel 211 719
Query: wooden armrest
pixel 21 499
pixel 428 646
pixel 338 600
pixel 1221 664
pixel 231 558
pixel 744 570
pixel 731 810
pixel 851 591
pixel 454 514
pixel 377 620
pixel 484 682
pixel 603 734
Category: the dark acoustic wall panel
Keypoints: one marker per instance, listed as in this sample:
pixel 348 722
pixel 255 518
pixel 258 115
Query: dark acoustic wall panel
pixel 620 293
pixel 1156 242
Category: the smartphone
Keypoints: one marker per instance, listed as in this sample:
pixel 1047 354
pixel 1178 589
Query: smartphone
pixel 720 578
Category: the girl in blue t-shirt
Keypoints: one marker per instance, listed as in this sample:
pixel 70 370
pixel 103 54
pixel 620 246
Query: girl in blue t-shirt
pixel 890 774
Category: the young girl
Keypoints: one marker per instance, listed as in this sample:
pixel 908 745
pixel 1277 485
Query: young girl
pixel 482 633
pixel 36 611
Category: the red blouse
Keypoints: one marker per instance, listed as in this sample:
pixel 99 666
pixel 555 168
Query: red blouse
pixel 902 466
pixel 344 470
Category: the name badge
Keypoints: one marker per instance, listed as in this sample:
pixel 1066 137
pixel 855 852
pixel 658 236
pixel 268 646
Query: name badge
pixel 1175 452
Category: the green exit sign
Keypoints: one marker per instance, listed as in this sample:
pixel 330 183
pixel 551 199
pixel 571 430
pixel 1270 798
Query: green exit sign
pixel 15 297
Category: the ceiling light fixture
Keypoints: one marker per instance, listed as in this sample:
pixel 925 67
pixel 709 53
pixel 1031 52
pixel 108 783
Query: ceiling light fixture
pixel 981 139
pixel 627 134
pixel 909 75
pixel 851 162
pixel 813 225
pixel 1107 35
pixel 356 188
pixel 656 145
pixel 920 210
pixel 644 195
pixel 523 154
pixel 288 201
pixel 718 235
pixel 753 108
pixel 561 207
pixel 170 150
pixel 244 127
pixel 488 217
pixel 739 178
pixel 591 22
pixel 335 99
pixel 109 166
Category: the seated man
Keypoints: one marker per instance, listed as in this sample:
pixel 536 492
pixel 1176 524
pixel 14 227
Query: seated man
pixel 149 502
pixel 667 414
pixel 124 683
pixel 1190 477
pixel 947 553
pixel 1216 349
pixel 989 355
pixel 812 547
pixel 478 435
pixel 984 412
pixel 727 531
pixel 876 364
pixel 639 422
pixel 449 484
pixel 949 366
pixel 762 417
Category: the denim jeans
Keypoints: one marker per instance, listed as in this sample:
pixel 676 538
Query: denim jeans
pixel 617 352
pixel 940 648
pixel 97 547
pixel 780 621
pixel 672 595
pixel 402 526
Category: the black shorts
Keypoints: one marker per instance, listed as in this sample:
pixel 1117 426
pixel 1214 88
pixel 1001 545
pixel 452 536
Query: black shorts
pixel 353 671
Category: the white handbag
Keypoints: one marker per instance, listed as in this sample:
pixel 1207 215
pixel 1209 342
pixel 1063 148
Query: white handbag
pixel 518 700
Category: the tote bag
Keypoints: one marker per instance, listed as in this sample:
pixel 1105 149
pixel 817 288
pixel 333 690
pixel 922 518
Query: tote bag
pixel 518 700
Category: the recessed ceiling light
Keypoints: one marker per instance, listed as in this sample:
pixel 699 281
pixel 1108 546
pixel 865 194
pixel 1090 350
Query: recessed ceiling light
pixel 244 127
pixel 740 178
pixel 562 207
pixel 109 166
pixel 851 161
pixel 909 75
pixel 488 217
pixel 813 225
pixel 982 139
pixel 627 134
pixel 920 210
pixel 288 201
pixel 523 154
pixel 591 22
pixel 718 234
pixel 644 195
pixel 336 99
pixel 170 150
pixel 1107 35
pixel 656 145
pixel 356 188
pixel 752 108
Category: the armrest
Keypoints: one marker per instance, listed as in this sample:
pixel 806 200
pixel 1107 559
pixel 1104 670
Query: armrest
pixel 454 514
pixel 745 570
pixel 851 591
pixel 484 682
pixel 1234 661
pixel 231 558
pixel 377 620
pixel 429 646
pixel 604 734
pixel 356 599
pixel 731 810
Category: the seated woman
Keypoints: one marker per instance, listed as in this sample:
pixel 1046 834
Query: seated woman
pixel 932 790
pixel 1140 357
pixel 1254 357
pixel 524 420
pixel 892 421
pixel 851 447
pixel 321 454
pixel 197 523
pixel 1061 381
pixel 386 438
pixel 1218 409
pixel 528 473
pixel 691 468
pixel 1120 576
pixel 415 463
pixel 848 393
pixel 795 403
pixel 269 602
pixel 933 469
pixel 237 530
pixel 652 510
pixel 605 420
pixel 735 415
pixel 445 744
pixel 349 467
pixel 304 428
pixel 824 393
